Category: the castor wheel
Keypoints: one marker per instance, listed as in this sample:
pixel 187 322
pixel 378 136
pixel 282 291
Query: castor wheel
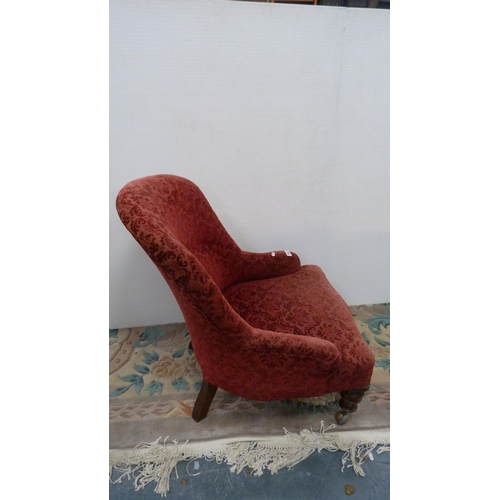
pixel 341 417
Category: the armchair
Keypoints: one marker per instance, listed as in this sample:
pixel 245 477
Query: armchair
pixel 262 326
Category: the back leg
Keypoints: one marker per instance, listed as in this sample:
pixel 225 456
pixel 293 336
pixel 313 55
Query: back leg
pixel 203 401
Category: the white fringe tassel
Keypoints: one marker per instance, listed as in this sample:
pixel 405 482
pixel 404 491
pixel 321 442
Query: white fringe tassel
pixel 156 461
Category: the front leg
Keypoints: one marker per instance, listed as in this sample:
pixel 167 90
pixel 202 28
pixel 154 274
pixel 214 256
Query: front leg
pixel 349 403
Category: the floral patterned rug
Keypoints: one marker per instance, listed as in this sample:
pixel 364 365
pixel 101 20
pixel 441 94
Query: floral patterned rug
pixel 155 378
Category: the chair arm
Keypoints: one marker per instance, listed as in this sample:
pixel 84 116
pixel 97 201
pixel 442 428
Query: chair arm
pixel 257 266
pixel 277 346
pixel 268 365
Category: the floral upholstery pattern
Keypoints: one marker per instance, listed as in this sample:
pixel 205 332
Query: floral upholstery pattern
pixel 262 326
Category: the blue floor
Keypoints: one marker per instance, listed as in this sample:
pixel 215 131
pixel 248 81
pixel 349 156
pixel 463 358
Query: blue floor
pixel 316 478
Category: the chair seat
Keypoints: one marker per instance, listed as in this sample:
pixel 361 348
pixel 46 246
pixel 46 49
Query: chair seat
pixel 305 303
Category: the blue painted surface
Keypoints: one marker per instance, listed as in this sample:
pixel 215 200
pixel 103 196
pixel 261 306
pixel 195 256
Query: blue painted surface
pixel 317 478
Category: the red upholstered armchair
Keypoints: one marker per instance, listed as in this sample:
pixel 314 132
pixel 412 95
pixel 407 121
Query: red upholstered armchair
pixel 262 326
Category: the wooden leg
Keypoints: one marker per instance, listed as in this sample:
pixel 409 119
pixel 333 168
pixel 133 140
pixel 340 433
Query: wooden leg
pixel 202 403
pixel 349 403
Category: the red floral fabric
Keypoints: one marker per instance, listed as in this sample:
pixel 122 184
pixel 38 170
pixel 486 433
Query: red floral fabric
pixel 263 326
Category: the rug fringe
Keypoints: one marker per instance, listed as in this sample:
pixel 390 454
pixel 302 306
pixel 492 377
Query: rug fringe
pixel 155 461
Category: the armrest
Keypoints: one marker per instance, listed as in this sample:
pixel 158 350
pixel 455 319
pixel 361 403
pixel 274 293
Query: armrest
pixel 278 346
pixel 258 266
pixel 266 365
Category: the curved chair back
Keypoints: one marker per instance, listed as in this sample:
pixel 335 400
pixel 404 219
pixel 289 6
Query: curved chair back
pixel 174 223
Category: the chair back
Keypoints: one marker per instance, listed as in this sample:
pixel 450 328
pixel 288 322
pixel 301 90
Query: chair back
pixel 173 222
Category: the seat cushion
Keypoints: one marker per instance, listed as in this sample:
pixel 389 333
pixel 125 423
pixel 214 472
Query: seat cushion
pixel 305 303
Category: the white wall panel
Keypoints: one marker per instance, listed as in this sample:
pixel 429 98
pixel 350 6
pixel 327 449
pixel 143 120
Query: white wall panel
pixel 280 113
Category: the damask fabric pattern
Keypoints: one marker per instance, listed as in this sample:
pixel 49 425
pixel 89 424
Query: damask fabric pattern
pixel 302 342
pixel 321 313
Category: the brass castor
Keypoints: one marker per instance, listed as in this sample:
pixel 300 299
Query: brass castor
pixel 348 403
pixel 341 417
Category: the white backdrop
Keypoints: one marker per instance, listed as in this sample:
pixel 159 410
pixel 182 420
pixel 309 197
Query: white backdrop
pixel 280 114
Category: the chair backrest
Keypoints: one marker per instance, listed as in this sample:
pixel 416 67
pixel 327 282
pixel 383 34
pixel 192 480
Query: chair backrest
pixel 176 226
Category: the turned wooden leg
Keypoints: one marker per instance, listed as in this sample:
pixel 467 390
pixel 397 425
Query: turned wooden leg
pixel 202 403
pixel 349 403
